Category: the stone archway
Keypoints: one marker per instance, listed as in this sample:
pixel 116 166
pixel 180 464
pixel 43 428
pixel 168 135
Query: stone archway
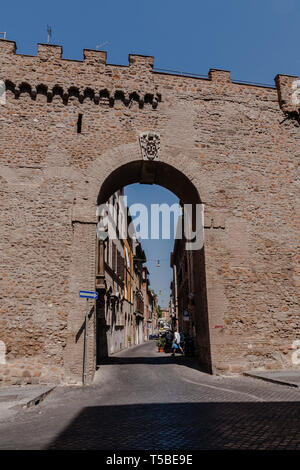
pixel 163 174
pixel 111 171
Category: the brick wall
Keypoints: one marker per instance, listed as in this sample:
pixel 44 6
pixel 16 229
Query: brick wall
pixel 236 145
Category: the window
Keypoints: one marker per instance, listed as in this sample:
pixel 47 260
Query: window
pixel 99 257
pixel 79 123
pixel 127 258
pixel 107 252
pixel 114 257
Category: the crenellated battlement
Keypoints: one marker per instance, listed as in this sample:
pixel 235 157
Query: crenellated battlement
pixel 49 74
pixel 7 47
pixel 288 96
pixel 49 51
pixel 53 51
pixel 94 57
pixel 217 75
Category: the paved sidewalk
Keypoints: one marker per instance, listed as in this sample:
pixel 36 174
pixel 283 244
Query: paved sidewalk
pixel 14 398
pixel 290 378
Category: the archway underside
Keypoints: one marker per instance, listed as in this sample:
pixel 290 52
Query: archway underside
pixel 146 172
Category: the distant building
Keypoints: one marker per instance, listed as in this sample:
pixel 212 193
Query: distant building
pixel 125 304
pixel 166 314
pixel 139 309
pixel 152 309
pixel 182 306
pixel 128 289
pixel 145 288
pixel 115 308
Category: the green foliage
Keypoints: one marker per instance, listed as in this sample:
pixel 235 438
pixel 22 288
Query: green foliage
pixel 159 311
pixel 161 343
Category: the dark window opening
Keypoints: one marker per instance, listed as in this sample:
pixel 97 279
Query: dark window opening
pixel 79 123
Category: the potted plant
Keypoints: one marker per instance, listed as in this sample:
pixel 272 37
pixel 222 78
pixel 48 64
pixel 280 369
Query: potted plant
pixel 161 343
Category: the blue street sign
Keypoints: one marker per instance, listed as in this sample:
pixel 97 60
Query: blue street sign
pixel 88 295
pixel 186 315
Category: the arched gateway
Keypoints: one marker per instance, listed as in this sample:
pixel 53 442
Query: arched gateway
pixel 71 134
pixel 168 172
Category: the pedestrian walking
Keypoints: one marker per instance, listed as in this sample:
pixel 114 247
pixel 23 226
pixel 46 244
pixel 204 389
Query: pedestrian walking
pixel 176 343
pixel 174 347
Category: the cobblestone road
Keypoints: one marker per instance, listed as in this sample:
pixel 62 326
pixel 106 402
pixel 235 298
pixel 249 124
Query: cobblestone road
pixel 145 400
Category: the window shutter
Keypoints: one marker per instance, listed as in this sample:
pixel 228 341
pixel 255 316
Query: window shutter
pixel 114 249
pixel 118 264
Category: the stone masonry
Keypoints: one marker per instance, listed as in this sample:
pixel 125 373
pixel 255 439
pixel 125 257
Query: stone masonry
pixel 69 135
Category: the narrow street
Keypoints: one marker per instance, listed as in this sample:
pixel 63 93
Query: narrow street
pixel 142 399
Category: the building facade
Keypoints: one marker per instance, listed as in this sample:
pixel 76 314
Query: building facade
pixel 139 305
pixel 114 304
pixel 120 283
pixel 182 305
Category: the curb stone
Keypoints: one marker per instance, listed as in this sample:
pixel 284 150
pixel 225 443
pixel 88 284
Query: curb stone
pixel 269 379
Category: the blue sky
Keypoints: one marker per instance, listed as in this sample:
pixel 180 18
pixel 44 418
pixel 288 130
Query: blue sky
pixel 254 39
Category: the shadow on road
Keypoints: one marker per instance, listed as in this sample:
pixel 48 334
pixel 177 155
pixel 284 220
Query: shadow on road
pixel 165 358
pixel 184 426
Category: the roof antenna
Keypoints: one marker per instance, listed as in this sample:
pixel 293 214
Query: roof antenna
pixel 49 33
pixel 102 44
